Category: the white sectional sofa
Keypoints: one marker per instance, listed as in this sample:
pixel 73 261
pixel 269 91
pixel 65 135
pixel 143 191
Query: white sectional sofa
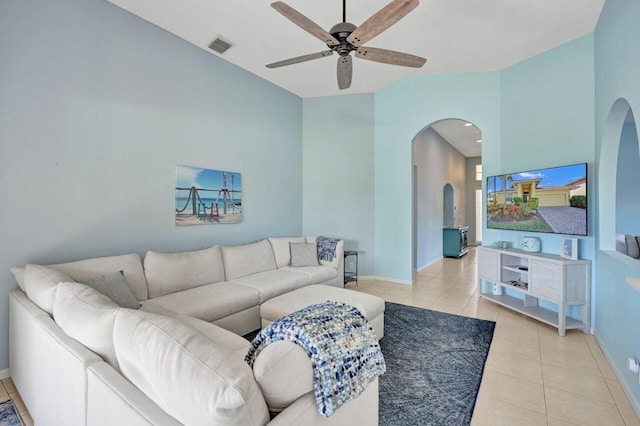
pixel 77 358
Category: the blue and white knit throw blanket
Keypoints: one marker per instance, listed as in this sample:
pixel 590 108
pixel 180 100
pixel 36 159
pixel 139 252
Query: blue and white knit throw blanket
pixel 326 248
pixel 345 354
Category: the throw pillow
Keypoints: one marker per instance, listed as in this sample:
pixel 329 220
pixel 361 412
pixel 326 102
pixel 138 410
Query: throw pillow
pixel 633 249
pixel 114 286
pixel 304 254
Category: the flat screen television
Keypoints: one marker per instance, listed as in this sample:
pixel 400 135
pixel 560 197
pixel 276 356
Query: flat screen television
pixel 550 200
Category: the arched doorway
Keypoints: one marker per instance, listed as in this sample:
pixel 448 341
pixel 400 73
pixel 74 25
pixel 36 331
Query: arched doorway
pixel 445 158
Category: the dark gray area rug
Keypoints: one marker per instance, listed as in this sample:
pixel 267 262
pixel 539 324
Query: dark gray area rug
pixel 8 415
pixel 434 366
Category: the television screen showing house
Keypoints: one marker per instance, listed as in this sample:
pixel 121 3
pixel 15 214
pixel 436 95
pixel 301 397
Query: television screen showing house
pixel 206 196
pixel 546 200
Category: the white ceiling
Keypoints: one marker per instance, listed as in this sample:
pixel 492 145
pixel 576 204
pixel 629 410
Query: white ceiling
pixel 455 36
pixel 461 137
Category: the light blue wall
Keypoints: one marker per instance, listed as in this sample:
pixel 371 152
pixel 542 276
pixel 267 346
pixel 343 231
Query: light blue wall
pixel 438 164
pixel 471 186
pixel 338 152
pixel 616 68
pixel 401 112
pixel 628 177
pixel 547 120
pixel 97 107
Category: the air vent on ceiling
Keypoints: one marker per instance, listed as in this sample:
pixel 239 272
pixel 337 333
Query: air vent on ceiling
pixel 219 45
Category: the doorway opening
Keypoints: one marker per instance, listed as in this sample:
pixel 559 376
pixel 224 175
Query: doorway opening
pixel 446 175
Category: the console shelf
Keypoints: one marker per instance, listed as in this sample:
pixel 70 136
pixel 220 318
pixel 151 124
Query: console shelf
pixel 537 276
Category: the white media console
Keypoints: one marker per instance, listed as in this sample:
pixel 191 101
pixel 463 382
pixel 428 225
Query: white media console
pixel 538 276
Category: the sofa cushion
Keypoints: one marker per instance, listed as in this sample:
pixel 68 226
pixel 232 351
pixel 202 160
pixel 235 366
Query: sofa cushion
pixel 171 272
pixel 115 288
pixel 192 378
pixel 281 249
pixel 284 373
pixel 41 283
pixel 247 259
pixel 317 274
pixel 304 254
pixel 335 263
pixel 18 274
pixel 129 264
pixel 208 302
pixel 236 344
pixel 273 283
pixel 87 316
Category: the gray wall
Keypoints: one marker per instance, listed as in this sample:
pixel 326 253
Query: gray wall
pixel 438 163
pixel 338 163
pixel 97 107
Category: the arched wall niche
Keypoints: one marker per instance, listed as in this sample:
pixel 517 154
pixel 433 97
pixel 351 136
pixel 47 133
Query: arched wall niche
pixel 619 170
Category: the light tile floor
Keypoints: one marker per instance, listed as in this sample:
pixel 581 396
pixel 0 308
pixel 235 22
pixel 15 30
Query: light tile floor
pixel 8 391
pixel 532 375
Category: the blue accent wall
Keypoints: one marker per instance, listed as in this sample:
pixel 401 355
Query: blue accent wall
pixel 338 153
pixel 97 107
pixel 616 69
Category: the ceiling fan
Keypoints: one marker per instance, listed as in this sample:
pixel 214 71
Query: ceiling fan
pixel 344 38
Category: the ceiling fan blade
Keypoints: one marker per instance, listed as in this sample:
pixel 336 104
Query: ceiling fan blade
pixel 299 59
pixel 390 57
pixel 381 20
pixel 345 72
pixel 305 23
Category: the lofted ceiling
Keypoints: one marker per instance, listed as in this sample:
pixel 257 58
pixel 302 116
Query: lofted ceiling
pixel 456 36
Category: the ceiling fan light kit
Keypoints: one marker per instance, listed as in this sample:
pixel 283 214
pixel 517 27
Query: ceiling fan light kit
pixel 345 37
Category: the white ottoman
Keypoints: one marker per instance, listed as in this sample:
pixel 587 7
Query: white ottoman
pixel 372 307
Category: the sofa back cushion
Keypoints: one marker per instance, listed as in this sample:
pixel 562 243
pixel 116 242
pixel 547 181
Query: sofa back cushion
pixel 281 250
pixel 169 273
pixel 129 264
pixel 88 316
pixel 41 283
pixel 247 259
pixel 193 379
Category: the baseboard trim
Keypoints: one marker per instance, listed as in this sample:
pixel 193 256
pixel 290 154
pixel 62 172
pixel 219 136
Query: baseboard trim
pixel 422 268
pixel 625 387
pixel 392 280
pixel 5 373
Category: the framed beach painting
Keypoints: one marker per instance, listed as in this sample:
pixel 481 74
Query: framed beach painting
pixel 206 196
